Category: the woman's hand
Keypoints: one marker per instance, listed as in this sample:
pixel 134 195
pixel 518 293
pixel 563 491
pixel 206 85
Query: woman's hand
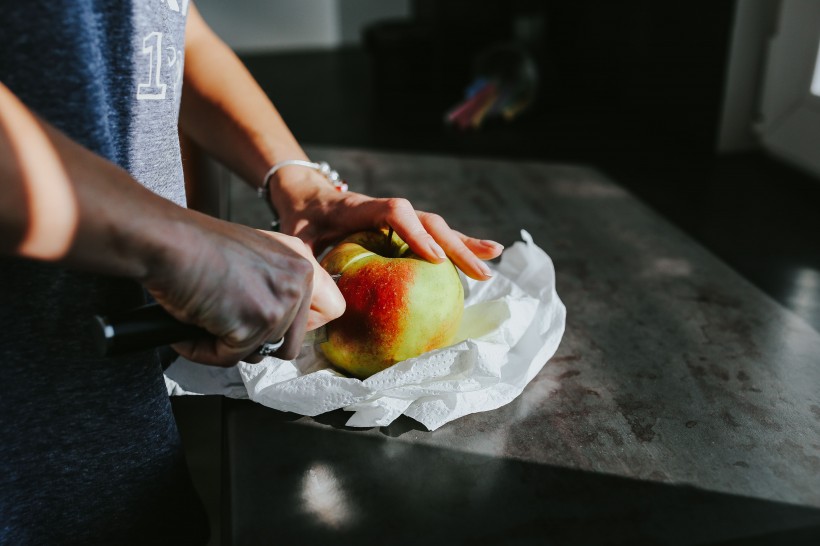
pixel 244 286
pixel 326 302
pixel 322 216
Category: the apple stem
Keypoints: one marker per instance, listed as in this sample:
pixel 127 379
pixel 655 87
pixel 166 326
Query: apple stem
pixel 389 241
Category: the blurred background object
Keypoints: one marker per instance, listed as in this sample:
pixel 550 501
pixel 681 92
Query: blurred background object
pixel 505 85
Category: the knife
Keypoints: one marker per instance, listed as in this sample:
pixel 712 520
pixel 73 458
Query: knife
pixel 151 326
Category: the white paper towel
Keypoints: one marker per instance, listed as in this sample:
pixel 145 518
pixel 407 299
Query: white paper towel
pixel 512 325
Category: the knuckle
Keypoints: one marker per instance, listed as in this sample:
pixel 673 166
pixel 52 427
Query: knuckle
pixel 237 337
pixel 399 206
pixel 297 244
pixel 289 294
pixel 435 219
pixel 463 255
pixel 302 268
pixel 272 315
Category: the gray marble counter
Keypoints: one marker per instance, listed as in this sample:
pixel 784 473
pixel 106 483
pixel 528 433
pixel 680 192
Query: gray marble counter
pixel 682 406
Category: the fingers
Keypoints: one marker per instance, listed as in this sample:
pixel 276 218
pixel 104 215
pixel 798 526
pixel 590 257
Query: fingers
pixel 242 341
pixel 253 358
pixel 400 215
pixel 320 303
pixel 429 236
pixel 453 243
pixel 295 333
pixel 326 302
pixel 260 292
pixel 211 351
pixel 483 248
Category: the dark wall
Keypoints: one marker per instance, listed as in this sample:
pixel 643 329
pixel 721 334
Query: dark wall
pixel 631 67
pixel 657 65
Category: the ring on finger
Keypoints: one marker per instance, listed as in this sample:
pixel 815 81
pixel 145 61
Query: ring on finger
pixel 267 348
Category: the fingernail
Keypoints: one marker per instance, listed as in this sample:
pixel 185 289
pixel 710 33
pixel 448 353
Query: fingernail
pixel 437 250
pixel 485 269
pixel 492 244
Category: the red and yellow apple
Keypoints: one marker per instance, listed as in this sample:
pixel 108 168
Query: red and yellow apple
pixel 399 305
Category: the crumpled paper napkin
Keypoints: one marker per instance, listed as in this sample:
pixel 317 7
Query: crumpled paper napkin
pixel 512 325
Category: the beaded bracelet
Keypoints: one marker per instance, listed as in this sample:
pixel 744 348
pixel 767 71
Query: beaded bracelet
pixel 264 190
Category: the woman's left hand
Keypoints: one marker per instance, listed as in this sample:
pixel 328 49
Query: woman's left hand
pixel 326 215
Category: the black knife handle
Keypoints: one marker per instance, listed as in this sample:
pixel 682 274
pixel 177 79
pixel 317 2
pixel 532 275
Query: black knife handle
pixel 139 329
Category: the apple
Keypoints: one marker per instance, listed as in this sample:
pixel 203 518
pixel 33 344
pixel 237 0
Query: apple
pixel 399 305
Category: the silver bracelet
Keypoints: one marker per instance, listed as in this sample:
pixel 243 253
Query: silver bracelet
pixel 264 190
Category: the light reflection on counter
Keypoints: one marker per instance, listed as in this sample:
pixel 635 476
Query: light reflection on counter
pixel 323 497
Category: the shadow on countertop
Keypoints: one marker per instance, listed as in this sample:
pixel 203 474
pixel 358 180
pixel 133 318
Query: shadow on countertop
pixel 301 484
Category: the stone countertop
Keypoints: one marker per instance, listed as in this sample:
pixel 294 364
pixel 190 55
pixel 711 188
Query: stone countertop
pixel 678 385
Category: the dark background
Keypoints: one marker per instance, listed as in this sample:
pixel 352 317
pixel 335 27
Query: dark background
pixel 633 88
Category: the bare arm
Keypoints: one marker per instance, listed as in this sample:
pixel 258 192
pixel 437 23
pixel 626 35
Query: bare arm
pixel 225 111
pixel 62 203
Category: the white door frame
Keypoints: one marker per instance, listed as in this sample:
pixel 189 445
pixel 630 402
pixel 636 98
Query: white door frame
pixel 790 124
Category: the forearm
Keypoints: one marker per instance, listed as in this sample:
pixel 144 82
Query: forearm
pixel 62 203
pixel 226 112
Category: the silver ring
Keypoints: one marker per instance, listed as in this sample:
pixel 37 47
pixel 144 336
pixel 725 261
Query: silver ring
pixel 268 349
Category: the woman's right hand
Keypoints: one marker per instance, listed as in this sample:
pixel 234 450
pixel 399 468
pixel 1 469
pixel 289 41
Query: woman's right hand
pixel 244 286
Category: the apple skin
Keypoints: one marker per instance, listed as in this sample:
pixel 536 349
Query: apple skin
pixel 399 305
